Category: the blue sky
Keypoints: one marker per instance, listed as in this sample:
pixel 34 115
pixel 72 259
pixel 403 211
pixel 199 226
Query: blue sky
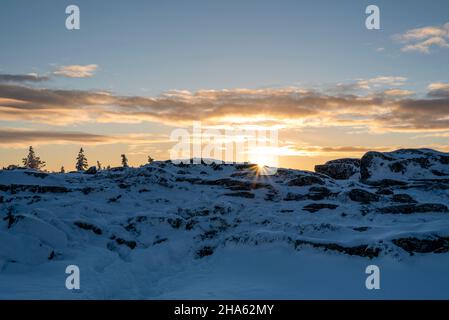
pixel 153 46
pixel 349 89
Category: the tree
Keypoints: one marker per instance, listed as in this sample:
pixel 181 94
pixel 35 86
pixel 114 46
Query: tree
pixel 124 161
pixel 98 165
pixel 150 160
pixel 62 170
pixel 81 161
pixel 32 161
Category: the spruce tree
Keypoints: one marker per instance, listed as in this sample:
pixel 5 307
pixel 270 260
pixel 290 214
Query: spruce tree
pixel 124 161
pixel 81 161
pixel 32 161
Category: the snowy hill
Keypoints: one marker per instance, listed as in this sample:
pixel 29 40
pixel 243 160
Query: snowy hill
pixel 224 231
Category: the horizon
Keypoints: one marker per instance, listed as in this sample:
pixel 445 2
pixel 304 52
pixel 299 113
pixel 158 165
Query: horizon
pixel 331 87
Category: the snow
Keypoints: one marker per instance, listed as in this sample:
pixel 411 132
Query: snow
pixel 166 231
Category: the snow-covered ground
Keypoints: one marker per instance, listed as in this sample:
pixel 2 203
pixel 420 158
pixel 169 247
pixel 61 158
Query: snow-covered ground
pixel 166 231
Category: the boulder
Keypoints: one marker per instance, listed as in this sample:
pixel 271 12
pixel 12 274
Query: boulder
pixel 340 169
pixel 363 196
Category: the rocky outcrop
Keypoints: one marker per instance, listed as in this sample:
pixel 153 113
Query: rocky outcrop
pixel 403 165
pixel 340 169
pixel 415 208
pixel 363 196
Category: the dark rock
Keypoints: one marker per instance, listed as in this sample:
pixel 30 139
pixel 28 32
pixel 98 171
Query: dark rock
pixel 339 169
pixel 175 223
pixel 415 208
pixel 314 207
pixel 403 198
pixel 241 194
pixel 15 188
pixel 366 163
pixel 431 245
pixel 294 197
pixel 302 181
pixel 361 229
pixel 88 226
pixel 129 243
pixel 204 252
pixel 91 170
pixel 363 196
pixel 36 174
pixel 114 199
pixel 384 191
pixel 318 193
pixel 361 250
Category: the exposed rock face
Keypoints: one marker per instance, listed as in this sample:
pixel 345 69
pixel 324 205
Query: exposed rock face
pixel 305 180
pixel 404 164
pixel 403 198
pixel 340 169
pixel 91 170
pixel 415 208
pixel 314 207
pixel 434 244
pixel 363 196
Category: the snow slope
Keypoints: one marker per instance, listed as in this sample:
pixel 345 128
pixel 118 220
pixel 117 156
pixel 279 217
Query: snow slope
pixel 224 231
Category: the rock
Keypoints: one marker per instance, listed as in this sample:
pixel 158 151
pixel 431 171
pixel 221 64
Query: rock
pixel 314 207
pixel 361 250
pixel 384 191
pixel 340 169
pixel 403 198
pixel 129 243
pixel 302 181
pixel 204 252
pixel 431 245
pixel 415 208
pixel 88 226
pixel 15 188
pixel 403 164
pixel 294 197
pixel 91 170
pixel 363 196
pixel 318 193
pixel 241 194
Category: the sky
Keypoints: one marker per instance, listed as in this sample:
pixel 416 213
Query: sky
pixel 137 70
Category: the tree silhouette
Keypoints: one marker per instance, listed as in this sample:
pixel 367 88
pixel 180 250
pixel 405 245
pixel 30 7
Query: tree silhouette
pixel 32 161
pixel 150 160
pixel 124 161
pixel 81 161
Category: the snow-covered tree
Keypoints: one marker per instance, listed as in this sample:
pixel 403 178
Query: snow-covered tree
pixel 150 160
pixel 81 161
pixel 124 161
pixel 32 161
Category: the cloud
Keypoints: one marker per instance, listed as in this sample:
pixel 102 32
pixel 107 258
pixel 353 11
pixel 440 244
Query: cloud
pixel 422 39
pixel 18 78
pixel 381 81
pixel 391 109
pixel 398 92
pixel 24 137
pixel 76 71
pixel 438 90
